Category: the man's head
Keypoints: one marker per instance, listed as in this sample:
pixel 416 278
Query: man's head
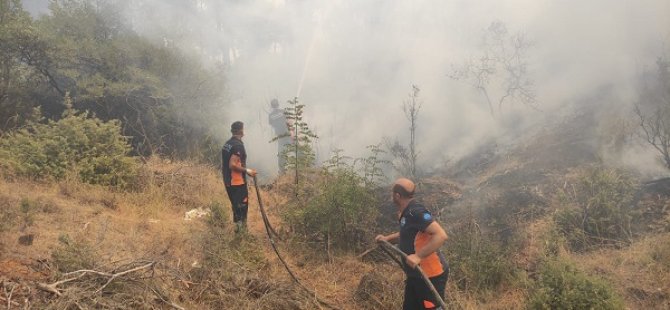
pixel 237 128
pixel 274 103
pixel 403 192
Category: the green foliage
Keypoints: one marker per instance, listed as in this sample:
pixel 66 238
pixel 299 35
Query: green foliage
pixel 92 149
pixel 373 172
pixel 562 286
pixel 341 210
pixel 299 155
pixel 73 255
pixel 168 103
pixel 603 212
pixel 21 50
pixel 477 263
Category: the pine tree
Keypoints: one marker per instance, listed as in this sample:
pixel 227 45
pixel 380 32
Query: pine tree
pixel 299 154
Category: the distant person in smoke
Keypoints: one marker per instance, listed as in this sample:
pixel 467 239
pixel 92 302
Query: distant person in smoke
pixel 420 237
pixel 234 170
pixel 277 120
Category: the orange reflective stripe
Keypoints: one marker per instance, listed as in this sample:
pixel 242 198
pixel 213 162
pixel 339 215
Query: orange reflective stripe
pixel 431 265
pixel 237 178
pixel 428 305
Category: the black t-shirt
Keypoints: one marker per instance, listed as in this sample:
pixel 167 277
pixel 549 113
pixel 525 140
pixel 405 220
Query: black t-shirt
pixel 414 220
pixel 233 146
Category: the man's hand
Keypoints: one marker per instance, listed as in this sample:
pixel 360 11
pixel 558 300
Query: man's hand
pixel 251 172
pixel 413 260
pixel 381 238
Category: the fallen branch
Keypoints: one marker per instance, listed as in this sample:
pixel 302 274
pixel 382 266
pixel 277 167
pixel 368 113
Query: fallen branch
pixel 116 275
pixel 167 302
pixel 9 301
pixel 53 287
pixel 368 251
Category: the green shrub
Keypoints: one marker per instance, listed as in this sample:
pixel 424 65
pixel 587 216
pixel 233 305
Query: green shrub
pixel 561 286
pixel 478 263
pixel 73 255
pixel 92 149
pixel 340 210
pixel 599 211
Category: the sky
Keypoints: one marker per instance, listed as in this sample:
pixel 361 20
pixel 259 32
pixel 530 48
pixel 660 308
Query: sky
pixel 353 63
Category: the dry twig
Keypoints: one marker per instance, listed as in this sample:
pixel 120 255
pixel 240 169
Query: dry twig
pixel 53 287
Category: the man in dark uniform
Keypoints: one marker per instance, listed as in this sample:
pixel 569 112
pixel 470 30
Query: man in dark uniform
pixel 420 237
pixel 277 120
pixel 234 170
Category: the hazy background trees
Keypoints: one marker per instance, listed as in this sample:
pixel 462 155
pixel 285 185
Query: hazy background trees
pixel 499 71
pixel 653 110
pixel 87 49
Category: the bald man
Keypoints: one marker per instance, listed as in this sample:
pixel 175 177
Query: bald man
pixel 420 237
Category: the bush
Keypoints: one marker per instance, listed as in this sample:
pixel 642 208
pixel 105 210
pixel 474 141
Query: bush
pixel 340 212
pixel 92 149
pixel 477 262
pixel 561 286
pixel 603 213
pixel 73 255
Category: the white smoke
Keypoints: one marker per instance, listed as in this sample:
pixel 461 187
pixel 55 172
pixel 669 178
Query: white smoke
pixel 353 62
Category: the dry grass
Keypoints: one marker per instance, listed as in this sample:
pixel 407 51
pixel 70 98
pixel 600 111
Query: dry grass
pixel 117 226
pixel 148 224
pixel 640 273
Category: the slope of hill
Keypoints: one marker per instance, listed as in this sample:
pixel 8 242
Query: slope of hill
pixel 500 209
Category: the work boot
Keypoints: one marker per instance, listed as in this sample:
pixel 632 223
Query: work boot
pixel 238 227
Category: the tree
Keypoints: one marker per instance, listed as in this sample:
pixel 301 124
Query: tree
pixel 299 154
pixel 411 108
pixel 168 102
pixel 405 157
pixel 24 77
pixel 500 73
pixel 373 172
pixel 653 111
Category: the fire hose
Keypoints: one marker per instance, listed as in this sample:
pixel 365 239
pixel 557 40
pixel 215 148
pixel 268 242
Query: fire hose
pixel 270 231
pixel 385 245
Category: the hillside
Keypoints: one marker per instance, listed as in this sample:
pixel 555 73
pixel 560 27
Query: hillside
pixel 501 217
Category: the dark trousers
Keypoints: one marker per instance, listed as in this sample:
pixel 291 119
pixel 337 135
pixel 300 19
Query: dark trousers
pixel 419 297
pixel 239 200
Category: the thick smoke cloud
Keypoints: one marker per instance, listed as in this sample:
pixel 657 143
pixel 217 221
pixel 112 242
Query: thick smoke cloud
pixel 353 62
